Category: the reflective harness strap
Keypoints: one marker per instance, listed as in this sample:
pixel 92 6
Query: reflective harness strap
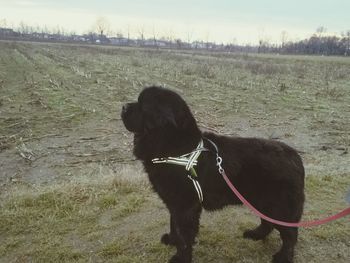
pixel 188 160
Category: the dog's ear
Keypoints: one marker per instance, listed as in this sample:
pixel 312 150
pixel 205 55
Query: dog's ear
pixel 188 122
pixel 168 117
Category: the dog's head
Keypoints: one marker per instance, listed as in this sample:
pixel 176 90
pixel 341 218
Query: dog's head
pixel 157 109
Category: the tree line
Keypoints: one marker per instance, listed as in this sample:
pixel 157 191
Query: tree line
pixel 317 44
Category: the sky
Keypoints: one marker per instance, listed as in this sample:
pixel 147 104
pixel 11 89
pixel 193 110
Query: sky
pixel 227 21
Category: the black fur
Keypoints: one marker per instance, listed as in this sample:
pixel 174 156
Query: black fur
pixel 268 173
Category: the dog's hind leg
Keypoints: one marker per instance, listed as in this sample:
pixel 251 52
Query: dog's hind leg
pixel 289 238
pixel 259 233
pixel 186 227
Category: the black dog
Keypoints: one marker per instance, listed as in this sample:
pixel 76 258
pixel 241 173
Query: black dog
pixel 268 173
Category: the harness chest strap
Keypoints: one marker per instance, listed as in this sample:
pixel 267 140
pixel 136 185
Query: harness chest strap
pixel 188 160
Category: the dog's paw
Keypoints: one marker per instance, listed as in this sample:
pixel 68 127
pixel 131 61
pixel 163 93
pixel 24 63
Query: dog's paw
pixel 259 233
pixel 254 235
pixel 177 259
pixel 168 240
pixel 280 257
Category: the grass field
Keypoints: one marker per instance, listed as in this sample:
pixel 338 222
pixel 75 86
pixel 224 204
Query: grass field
pixel 71 191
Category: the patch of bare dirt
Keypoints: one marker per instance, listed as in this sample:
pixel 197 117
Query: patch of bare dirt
pixel 60 154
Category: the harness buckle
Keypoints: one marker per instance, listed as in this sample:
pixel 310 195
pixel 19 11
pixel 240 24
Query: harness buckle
pixel 218 164
pixel 188 160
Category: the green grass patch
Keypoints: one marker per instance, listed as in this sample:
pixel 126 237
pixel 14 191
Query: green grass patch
pixel 36 222
pixel 65 223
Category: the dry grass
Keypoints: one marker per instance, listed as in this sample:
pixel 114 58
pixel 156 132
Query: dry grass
pixel 108 217
pixel 71 192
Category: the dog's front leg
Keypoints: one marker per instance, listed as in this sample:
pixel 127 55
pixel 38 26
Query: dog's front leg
pixel 186 225
pixel 170 238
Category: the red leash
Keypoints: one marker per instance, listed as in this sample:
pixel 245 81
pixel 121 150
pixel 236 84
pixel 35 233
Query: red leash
pixel 343 213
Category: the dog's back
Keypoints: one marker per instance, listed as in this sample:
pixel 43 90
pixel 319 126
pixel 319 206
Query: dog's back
pixel 269 173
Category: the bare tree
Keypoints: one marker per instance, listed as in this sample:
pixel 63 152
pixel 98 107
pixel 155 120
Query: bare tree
pixel 319 33
pixel 154 36
pixel 128 33
pixel 141 32
pixel 179 43
pixel 321 30
pixel 3 22
pixel 264 45
pixel 207 37
pixel 189 35
pixel 262 40
pixel 284 37
pixel 45 29
pixel 120 34
pixel 232 44
pixel 347 52
pixel 23 28
pixel 102 26
pixel 169 35
pixel 58 31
